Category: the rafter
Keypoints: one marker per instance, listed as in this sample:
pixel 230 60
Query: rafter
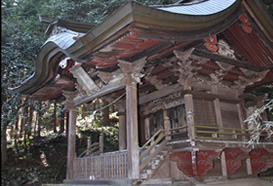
pixel 228 60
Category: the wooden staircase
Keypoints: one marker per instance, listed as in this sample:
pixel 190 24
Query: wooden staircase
pixel 153 154
pixel 154 164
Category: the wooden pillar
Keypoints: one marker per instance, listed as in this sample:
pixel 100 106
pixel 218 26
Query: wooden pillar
pixel 71 143
pixel 132 76
pixel 190 115
pixel 147 128
pixel 217 109
pixel 101 141
pixel 122 125
pixel 71 146
pixel 105 111
pixel 167 124
pixel 223 164
pixel 132 131
pixel 241 114
pixel 248 166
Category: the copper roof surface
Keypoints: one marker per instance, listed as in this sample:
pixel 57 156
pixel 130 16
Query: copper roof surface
pixel 202 8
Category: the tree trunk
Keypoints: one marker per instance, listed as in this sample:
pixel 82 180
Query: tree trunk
pixel 16 132
pixel 55 118
pixel 35 124
pixel 67 123
pixel 62 122
pixel 30 118
pixel 21 124
pixel 105 114
pixel 39 120
pixel 95 108
pixel 4 156
pixel 83 111
pixel 26 119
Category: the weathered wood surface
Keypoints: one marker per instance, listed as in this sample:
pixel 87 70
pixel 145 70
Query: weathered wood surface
pixel 108 165
pixel 113 86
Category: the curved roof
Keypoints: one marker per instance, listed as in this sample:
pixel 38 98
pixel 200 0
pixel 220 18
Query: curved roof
pixel 202 8
pixel 134 23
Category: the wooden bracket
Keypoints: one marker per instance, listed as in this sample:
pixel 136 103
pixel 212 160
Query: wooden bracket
pixel 84 79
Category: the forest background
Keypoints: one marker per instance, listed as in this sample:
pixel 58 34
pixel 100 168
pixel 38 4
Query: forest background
pixel 22 34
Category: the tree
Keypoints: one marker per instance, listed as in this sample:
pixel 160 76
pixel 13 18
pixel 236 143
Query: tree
pixel 258 125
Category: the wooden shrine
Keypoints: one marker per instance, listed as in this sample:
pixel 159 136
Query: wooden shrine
pixel 184 69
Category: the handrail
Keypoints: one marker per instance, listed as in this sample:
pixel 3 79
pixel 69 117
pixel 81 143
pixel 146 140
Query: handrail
pixel 92 149
pixel 146 144
pixel 160 137
pixel 153 141
pixel 216 127
pixel 179 128
pixel 219 132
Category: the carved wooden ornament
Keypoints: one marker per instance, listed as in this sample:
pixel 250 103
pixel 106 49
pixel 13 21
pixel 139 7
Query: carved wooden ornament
pixel 184 162
pixel 261 160
pixel 204 162
pixel 132 70
pixel 245 23
pixel 234 159
pixel 84 79
pixel 211 43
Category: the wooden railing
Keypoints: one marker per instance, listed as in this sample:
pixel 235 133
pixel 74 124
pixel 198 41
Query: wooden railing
pixel 93 149
pixel 179 133
pixel 220 133
pixel 107 165
pixel 151 148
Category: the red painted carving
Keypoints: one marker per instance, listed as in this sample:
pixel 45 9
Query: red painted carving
pixel 205 160
pixel 260 160
pixel 184 162
pixel 245 23
pixel 234 159
pixel 211 43
pixel 70 64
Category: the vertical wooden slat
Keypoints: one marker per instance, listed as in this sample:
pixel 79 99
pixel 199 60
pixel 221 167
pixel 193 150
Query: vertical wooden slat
pixel 112 165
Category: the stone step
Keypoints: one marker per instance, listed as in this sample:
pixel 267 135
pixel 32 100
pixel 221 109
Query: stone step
pixel 161 181
pixel 160 157
pixel 148 171
pixel 143 176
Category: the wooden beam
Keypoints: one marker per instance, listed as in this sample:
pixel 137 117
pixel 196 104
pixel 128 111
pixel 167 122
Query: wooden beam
pixel 84 80
pixel 223 59
pixel 160 93
pixel 173 89
pixel 113 86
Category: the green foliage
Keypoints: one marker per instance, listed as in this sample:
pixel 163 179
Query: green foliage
pixel 22 36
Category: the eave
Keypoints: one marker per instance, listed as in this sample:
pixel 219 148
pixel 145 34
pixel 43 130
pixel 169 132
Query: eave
pixel 135 31
pixel 133 14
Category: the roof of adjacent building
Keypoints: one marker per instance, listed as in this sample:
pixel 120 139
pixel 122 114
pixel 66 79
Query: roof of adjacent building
pixel 199 8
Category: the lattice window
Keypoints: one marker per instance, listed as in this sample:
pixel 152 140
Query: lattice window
pixel 177 116
pixel 204 112
pixel 156 122
pixel 230 115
